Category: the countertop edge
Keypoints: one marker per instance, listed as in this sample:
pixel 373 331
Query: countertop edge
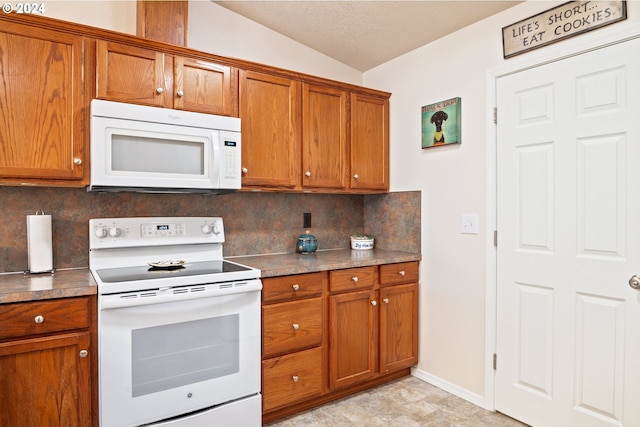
pixel 34 287
pixel 274 265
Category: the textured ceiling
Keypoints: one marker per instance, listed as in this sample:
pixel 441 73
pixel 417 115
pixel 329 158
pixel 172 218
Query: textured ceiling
pixel 364 34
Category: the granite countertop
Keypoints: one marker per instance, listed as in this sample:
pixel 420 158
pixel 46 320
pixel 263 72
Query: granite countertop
pixel 16 287
pixel 333 259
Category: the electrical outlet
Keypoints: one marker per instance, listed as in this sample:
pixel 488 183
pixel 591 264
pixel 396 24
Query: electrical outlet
pixel 306 220
pixel 469 224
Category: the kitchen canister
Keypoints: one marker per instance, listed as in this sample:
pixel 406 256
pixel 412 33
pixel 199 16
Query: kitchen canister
pixel 307 243
pixel 361 243
pixel 39 243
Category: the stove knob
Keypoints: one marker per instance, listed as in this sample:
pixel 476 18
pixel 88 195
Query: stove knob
pixel 101 232
pixel 216 228
pixel 206 229
pixel 114 232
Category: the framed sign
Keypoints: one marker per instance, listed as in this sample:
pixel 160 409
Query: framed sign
pixel 442 123
pixel 559 23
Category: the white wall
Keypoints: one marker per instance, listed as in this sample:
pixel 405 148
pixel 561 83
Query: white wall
pixel 212 29
pixel 453 181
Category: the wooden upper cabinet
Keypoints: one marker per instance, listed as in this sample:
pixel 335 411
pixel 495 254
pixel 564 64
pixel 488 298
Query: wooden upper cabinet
pixel 133 74
pixel 324 137
pixel 369 142
pixel 270 114
pixel 145 76
pixel 202 86
pixel 42 99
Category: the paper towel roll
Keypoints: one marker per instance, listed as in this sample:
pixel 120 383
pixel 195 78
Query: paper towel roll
pixel 39 243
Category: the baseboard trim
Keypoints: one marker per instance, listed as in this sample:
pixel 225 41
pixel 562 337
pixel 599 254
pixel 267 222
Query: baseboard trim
pixel 460 392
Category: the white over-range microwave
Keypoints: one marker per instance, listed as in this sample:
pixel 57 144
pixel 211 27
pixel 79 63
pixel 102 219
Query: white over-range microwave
pixel 151 149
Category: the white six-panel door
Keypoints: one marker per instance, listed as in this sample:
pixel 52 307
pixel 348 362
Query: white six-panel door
pixel 568 219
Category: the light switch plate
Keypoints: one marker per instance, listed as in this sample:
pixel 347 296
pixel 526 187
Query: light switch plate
pixel 469 224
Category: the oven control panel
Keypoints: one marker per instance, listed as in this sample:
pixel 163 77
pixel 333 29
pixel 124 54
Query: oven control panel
pixel 154 231
pixel 163 230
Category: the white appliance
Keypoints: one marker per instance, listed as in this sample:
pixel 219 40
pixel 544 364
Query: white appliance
pixel 142 148
pixel 179 330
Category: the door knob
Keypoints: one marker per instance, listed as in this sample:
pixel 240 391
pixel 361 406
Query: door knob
pixel 634 282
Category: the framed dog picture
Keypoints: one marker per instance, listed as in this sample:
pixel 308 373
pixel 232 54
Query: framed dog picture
pixel 442 123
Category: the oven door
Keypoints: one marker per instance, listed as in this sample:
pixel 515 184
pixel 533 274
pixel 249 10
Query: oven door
pixel 158 361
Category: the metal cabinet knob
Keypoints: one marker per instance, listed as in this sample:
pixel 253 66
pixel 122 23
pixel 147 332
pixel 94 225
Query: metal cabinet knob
pixel 386 300
pixel 634 282
pixel 296 326
pixel 401 272
pixel 77 161
pixel 245 170
pixel 159 90
pixel 355 176
pixel 83 353
pixel 355 279
pixel 307 174
pixel 374 303
pixel 295 378
pixel 296 287
pixel 180 93
pixel 38 319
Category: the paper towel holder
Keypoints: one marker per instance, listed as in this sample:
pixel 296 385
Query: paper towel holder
pixel 39 243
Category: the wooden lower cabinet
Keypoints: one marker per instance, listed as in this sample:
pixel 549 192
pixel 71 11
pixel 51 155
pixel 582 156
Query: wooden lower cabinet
pixel 367 335
pixel 47 363
pixel 291 378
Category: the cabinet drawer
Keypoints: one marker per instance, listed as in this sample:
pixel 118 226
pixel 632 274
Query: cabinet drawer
pixel 291 378
pixel 291 326
pixel 402 272
pixel 41 317
pixel 289 288
pixel 352 278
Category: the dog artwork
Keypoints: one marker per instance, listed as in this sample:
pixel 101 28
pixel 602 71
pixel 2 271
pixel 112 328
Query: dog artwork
pixel 438 118
pixel 441 123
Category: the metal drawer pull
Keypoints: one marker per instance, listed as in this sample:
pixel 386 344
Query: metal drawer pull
pixel 159 90
pixel 38 319
pixel 84 353
pixel 401 272
pixel 296 326
pixel 295 378
pixel 355 279
pixel 374 303
pixel 180 93
pixel 386 300
pixel 296 287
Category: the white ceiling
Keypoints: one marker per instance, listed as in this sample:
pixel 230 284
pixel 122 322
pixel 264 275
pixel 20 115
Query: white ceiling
pixel 364 34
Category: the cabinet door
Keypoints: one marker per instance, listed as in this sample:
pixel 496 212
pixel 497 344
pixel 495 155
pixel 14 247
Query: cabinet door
pixel 270 114
pixel 369 143
pixel 45 382
pixel 42 97
pixel 398 327
pixel 202 86
pixel 353 338
pixel 324 137
pixel 133 74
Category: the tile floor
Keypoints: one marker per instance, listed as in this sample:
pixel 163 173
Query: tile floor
pixel 406 402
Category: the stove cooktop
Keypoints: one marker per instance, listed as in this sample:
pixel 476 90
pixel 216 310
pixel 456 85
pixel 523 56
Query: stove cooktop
pixel 190 269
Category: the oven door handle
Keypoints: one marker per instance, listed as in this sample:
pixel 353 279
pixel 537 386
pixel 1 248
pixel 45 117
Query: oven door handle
pixel 176 294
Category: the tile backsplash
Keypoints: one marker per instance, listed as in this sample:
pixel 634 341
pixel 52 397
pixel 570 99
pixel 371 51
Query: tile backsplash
pixel 255 223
